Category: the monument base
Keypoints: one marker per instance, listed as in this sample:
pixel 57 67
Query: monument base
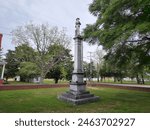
pixel 80 98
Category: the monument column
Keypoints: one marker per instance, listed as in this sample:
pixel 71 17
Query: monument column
pixel 77 93
pixel 78 58
pixel 78 55
pixel 77 84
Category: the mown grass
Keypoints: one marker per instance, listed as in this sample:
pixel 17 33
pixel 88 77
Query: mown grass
pixel 46 81
pixel 18 83
pixel 51 81
pixel 45 100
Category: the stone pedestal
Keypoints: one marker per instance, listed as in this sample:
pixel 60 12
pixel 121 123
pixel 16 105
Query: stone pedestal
pixel 77 93
pixel 78 98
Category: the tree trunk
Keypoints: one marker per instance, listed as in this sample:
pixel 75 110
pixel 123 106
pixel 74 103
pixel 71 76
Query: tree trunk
pixel 6 79
pixel 143 82
pixel 42 79
pixel 97 78
pixel 114 79
pixel 121 80
pixel 101 78
pixel 137 79
pixel 56 80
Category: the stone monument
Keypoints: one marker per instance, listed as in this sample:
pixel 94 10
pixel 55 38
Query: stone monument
pixel 77 93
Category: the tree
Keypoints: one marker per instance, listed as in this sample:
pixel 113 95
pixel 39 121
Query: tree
pixel 119 22
pixel 99 61
pixel 113 68
pixel 62 70
pixel 86 69
pixel 22 53
pixel 67 67
pixel 122 27
pixel 89 70
pixel 28 70
pixel 55 73
pixel 48 43
pixel 12 64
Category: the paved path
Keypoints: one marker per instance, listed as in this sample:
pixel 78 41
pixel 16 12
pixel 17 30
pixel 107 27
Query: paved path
pixel 145 88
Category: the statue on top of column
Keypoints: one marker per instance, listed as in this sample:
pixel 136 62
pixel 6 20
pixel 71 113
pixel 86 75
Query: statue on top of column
pixel 77 26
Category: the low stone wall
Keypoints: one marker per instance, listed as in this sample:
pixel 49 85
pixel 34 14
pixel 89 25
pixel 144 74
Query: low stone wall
pixel 19 87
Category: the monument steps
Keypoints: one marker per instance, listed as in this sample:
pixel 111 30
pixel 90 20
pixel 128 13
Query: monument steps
pixel 80 96
pixel 66 97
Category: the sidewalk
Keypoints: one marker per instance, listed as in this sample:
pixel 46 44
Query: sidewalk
pixel 129 85
pixel 145 88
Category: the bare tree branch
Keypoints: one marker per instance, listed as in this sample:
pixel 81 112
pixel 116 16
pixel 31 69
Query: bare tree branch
pixel 41 38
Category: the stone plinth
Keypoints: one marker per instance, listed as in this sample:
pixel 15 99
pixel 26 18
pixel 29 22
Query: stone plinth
pixel 77 94
pixel 78 98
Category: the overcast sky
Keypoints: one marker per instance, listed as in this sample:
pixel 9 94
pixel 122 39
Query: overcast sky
pixel 61 13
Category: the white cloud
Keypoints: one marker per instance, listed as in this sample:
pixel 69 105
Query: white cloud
pixel 61 13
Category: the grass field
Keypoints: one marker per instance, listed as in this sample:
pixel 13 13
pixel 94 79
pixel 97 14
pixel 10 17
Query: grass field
pixel 46 81
pixel 45 100
pixel 51 81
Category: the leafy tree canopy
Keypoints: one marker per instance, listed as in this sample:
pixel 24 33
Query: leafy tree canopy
pixel 48 44
pixel 119 21
pixel 28 70
pixel 123 29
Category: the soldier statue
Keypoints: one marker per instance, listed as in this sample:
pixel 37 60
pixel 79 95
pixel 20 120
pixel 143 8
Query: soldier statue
pixel 77 26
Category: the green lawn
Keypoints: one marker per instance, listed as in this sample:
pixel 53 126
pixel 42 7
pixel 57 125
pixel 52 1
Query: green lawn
pixel 45 100
pixel 46 81
pixel 19 83
pixel 51 81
